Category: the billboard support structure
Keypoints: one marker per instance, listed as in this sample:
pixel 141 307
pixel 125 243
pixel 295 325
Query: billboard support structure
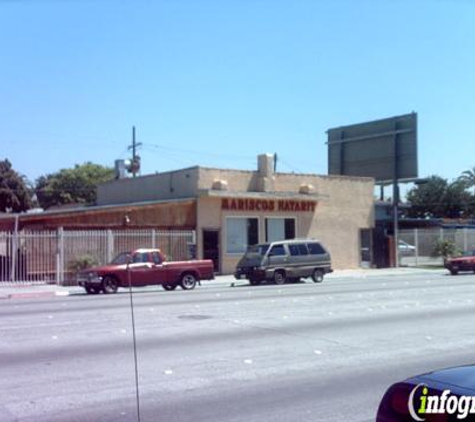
pixel 385 149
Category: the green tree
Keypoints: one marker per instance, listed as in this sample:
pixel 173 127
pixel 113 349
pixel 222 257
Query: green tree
pixel 15 193
pixel 468 178
pixel 444 248
pixel 438 198
pixel 74 185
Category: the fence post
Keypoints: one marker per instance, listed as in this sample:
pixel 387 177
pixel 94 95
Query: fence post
pixel 14 250
pixel 465 239
pixel 110 245
pixel 416 244
pixel 154 240
pixel 60 256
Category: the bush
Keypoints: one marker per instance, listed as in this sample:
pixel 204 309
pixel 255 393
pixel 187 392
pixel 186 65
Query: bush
pixel 445 249
pixel 82 263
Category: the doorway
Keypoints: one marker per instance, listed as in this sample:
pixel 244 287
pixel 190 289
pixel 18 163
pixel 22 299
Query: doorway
pixel 211 247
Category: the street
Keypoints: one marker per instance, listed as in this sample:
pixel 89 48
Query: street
pixel 299 352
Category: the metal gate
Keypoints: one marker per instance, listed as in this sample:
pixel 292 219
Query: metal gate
pixel 30 257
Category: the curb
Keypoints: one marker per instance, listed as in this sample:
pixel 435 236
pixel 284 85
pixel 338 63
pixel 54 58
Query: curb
pixel 33 295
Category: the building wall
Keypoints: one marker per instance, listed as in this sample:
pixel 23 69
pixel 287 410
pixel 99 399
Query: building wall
pixel 169 185
pixel 176 214
pixel 344 206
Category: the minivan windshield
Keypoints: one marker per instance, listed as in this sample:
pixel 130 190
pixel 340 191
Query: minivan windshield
pixel 258 249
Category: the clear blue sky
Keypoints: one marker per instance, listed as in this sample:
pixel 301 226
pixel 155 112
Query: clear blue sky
pixel 215 83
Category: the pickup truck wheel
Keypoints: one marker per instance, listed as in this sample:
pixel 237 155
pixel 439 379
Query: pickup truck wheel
pixel 169 287
pixel 109 285
pixel 279 277
pixel 317 276
pixel 92 290
pixel 188 281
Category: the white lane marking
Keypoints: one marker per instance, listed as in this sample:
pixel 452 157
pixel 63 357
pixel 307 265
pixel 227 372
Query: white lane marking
pixel 248 361
pixel 317 352
pixel 168 372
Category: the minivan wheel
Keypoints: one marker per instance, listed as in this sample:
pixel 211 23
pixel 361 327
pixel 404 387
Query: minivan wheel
pixel 254 282
pixel 317 276
pixel 279 277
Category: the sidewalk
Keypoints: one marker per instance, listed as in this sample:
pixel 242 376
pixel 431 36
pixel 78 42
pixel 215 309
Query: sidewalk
pixel 26 291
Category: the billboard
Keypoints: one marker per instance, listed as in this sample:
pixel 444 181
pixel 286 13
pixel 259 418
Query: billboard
pixel 385 149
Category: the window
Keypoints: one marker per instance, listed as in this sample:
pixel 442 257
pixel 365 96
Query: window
pixel 315 248
pixel 298 249
pixel 280 229
pixel 277 250
pixel 240 233
pixel 156 258
pixel 140 257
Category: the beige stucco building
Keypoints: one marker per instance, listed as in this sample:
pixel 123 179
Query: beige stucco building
pixel 232 208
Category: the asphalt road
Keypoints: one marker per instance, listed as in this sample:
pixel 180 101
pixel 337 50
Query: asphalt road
pixel 301 352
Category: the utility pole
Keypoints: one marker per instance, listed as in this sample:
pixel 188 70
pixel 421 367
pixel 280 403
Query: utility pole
pixel 135 166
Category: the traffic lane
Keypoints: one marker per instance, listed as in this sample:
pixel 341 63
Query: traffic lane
pixel 207 349
pixel 349 395
pixel 243 292
pixel 283 353
pixel 291 304
pixel 184 329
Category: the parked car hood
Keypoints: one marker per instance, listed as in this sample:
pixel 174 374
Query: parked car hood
pixel 102 268
pixel 250 260
pixel 460 376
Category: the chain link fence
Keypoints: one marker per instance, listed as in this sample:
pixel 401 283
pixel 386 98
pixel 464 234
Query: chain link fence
pixel 416 246
pixel 50 256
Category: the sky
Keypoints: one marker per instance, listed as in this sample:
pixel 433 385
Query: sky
pixel 217 82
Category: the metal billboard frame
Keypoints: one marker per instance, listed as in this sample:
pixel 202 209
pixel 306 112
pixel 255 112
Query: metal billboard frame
pixel 390 141
pixel 385 149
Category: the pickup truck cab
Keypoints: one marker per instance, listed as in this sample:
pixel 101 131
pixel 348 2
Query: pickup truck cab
pixel 286 260
pixel 144 267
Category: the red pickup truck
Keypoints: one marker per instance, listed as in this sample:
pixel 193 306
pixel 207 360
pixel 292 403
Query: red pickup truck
pixel 144 267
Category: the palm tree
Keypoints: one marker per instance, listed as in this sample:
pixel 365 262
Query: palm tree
pixel 468 177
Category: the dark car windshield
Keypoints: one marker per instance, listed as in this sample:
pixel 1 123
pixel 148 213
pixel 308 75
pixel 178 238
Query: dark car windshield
pixel 120 259
pixel 258 249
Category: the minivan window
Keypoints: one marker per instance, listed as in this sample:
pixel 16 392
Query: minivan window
pixel 315 248
pixel 258 249
pixel 277 250
pixel 298 249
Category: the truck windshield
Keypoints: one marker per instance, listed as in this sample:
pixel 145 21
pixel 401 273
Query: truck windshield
pixel 258 249
pixel 121 259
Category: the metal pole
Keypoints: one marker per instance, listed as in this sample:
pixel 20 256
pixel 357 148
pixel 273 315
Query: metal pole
pixel 134 339
pixel 395 201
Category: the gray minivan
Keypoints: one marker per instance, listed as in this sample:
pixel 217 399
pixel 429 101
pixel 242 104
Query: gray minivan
pixel 285 260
